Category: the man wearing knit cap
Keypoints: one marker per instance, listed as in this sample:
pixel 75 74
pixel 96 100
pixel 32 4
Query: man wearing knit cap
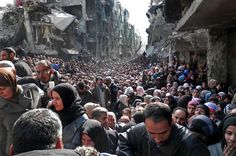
pixel 22 68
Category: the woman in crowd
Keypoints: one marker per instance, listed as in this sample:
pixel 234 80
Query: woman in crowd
pixel 66 103
pixel 227 132
pixel 94 135
pixel 121 105
pixel 14 101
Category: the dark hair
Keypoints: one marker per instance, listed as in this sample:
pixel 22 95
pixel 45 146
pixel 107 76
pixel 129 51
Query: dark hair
pixel 36 129
pixel 181 108
pixel 81 85
pixel 158 111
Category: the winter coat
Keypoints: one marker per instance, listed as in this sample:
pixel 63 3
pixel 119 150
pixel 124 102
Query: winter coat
pixel 71 134
pixel 10 110
pixel 137 142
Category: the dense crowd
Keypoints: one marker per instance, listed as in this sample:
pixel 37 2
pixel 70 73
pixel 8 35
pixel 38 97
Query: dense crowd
pixel 133 107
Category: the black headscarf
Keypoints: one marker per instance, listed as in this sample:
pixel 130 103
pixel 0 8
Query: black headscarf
pixel 71 102
pixel 229 120
pixel 183 101
pixel 97 133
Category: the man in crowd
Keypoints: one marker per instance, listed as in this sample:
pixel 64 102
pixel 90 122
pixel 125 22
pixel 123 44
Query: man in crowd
pixel 101 93
pixel 22 68
pixel 38 132
pixel 180 116
pixel 100 114
pixel 44 74
pixel 159 136
pixel 84 93
pixel 113 90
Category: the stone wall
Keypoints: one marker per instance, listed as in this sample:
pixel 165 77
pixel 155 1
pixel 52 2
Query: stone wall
pixel 216 55
pixel 231 56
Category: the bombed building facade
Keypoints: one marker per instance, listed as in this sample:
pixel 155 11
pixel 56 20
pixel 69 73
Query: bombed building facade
pixel 202 31
pixel 62 27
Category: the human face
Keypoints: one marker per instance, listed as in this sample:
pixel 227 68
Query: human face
pixel 179 117
pixel 103 119
pixel 6 92
pixel 195 93
pixel 87 141
pixel 166 100
pixel 57 101
pixel 191 110
pixel 230 136
pixel 4 55
pixel 111 121
pixel 159 131
pixel 200 111
pixel 43 73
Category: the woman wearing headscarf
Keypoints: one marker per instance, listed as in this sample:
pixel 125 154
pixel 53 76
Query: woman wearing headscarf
pixel 14 101
pixel 93 134
pixel 121 104
pixel 66 103
pixel 227 134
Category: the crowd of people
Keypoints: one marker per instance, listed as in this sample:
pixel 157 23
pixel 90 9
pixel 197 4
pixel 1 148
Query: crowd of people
pixel 112 107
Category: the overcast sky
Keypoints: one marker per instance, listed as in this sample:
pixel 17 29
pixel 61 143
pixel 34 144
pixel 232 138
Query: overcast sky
pixel 4 2
pixel 137 10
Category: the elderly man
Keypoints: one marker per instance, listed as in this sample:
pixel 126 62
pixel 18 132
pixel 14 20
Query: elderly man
pixel 159 136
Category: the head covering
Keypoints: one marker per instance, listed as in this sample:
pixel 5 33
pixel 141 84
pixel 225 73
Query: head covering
pixel 128 90
pixel 124 99
pixel 199 87
pixel 8 79
pixel 68 94
pixel 97 133
pixel 205 108
pixel 186 85
pixel 228 108
pixel 140 91
pixel 193 103
pixel 229 120
pixel 183 101
pixel 71 102
pixel 213 107
pixel 203 125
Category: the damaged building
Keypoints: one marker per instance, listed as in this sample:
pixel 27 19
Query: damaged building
pixel 62 27
pixel 204 31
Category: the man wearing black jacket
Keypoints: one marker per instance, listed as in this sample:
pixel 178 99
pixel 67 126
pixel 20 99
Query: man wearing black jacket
pixel 159 136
